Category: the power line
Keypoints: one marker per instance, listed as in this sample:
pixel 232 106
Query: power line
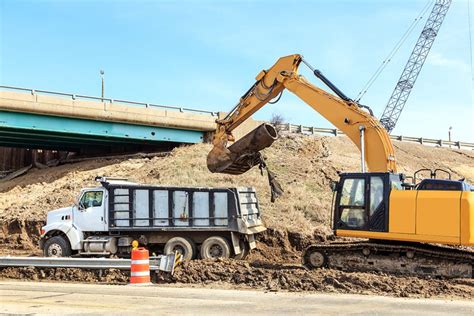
pixel 410 73
pixel 393 52
pixel 470 41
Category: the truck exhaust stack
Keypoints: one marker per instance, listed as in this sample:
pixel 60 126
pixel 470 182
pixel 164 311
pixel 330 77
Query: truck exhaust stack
pixel 244 153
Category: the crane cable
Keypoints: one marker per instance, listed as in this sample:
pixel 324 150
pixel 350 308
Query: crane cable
pixel 470 46
pixel 393 52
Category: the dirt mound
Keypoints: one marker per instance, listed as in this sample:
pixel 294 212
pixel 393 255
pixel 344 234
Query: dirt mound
pixel 109 276
pixel 266 276
pixel 275 276
pixel 304 165
pixel 20 236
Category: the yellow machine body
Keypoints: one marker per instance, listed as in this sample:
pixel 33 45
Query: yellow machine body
pixel 444 217
pixel 374 203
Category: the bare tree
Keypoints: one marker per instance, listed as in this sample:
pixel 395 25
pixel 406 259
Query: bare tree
pixel 277 120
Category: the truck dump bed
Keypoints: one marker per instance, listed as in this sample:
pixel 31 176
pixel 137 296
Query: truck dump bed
pixel 140 207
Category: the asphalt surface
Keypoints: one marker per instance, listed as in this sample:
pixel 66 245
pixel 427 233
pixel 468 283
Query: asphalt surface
pixel 34 298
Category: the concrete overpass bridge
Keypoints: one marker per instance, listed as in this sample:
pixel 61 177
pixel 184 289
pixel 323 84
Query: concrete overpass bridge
pixel 62 121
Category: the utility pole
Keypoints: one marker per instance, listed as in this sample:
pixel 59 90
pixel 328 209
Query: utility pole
pixel 102 77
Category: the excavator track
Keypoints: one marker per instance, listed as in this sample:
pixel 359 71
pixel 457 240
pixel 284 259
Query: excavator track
pixel 411 259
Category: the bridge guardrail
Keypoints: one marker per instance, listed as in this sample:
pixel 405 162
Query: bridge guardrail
pixel 295 128
pixel 110 100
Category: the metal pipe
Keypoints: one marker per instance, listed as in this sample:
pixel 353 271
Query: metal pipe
pixel 244 153
pixel 362 148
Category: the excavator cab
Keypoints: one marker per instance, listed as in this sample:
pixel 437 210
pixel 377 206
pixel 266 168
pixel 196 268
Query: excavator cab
pixel 362 201
pixel 381 206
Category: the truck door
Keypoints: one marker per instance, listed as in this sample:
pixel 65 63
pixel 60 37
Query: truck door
pixel 89 214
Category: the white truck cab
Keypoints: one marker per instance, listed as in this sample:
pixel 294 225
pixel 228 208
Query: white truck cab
pixel 220 222
pixel 86 215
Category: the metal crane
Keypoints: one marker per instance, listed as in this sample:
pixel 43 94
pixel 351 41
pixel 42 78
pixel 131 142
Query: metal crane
pixel 412 69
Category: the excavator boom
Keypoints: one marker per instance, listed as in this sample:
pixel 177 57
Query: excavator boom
pixel 360 126
pixel 399 219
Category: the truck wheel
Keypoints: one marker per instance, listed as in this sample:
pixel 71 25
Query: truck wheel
pixel 184 246
pixel 245 249
pixel 215 247
pixel 57 246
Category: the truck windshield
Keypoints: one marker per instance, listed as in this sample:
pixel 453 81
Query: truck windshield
pixel 91 199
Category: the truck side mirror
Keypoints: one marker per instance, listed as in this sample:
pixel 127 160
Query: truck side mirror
pixel 79 205
pixel 334 186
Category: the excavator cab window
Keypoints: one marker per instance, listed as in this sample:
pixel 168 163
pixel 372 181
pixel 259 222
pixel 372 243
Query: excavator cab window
pixel 352 203
pixel 361 202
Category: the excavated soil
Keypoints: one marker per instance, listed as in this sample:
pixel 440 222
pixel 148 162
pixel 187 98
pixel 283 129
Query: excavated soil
pixel 268 269
pixel 275 277
pixel 304 165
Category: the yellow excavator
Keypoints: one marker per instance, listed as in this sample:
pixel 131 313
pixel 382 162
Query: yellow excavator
pixel 418 227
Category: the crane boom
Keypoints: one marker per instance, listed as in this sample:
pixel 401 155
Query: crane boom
pixel 410 73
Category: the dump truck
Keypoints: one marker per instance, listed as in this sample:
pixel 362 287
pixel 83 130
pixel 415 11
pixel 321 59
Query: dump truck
pixel 193 221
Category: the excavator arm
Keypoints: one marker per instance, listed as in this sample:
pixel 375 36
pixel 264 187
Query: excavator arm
pixel 364 130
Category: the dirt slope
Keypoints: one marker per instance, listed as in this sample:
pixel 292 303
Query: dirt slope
pixel 304 165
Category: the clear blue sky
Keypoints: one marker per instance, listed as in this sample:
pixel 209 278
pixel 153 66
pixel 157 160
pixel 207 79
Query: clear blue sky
pixel 205 54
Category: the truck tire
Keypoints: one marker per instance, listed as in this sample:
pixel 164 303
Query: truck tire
pixel 57 246
pixel 215 247
pixel 245 249
pixel 184 246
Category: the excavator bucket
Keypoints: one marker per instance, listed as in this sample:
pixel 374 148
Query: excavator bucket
pixel 244 153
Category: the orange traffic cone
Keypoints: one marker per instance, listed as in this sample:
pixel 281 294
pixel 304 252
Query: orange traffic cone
pixel 140 267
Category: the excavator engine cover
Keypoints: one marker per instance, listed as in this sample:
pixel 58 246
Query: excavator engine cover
pixel 244 153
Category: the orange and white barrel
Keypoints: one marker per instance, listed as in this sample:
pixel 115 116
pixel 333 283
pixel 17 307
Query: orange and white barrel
pixel 140 267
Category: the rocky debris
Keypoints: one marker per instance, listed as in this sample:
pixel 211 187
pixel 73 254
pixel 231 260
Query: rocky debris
pixel 275 277
pixel 109 276
pixel 265 276
pixel 20 236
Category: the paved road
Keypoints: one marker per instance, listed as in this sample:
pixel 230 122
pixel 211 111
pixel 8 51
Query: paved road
pixel 31 298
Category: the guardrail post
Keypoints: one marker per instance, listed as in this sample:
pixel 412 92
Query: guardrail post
pixel 312 130
pixel 421 140
pixel 440 142
pixel 289 127
pixel 458 144
pixel 335 132
pixel 301 129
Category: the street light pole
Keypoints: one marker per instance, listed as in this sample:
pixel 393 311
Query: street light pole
pixel 449 134
pixel 102 77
